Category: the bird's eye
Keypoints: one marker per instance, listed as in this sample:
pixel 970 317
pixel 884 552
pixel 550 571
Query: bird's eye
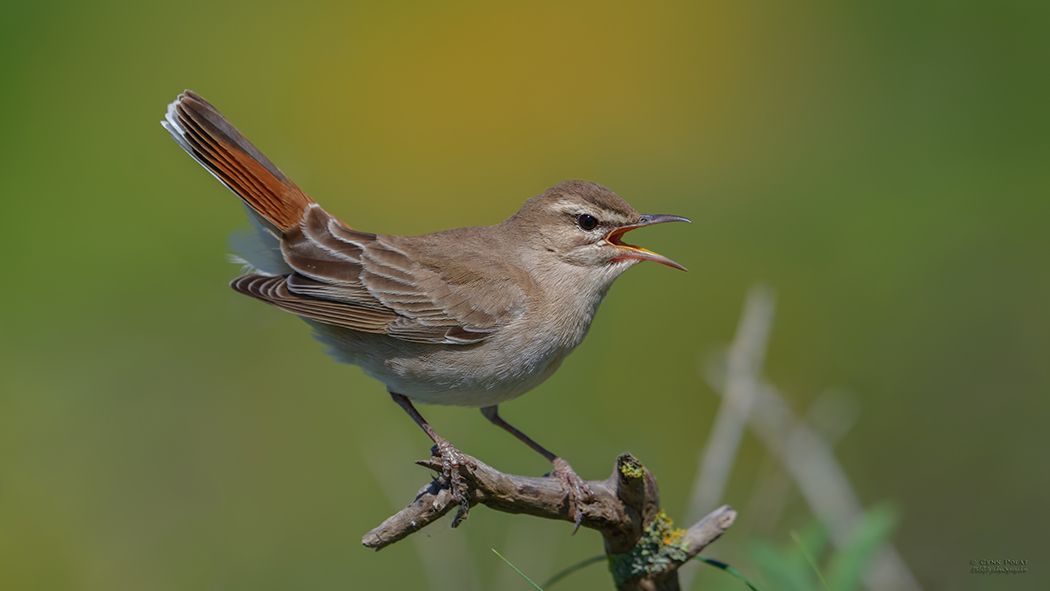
pixel 587 222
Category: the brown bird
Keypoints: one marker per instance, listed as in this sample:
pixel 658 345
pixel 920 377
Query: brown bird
pixel 468 317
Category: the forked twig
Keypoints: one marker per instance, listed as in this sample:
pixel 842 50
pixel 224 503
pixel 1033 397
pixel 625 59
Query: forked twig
pixel 625 507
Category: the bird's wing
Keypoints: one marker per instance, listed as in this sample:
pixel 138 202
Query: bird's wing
pixel 274 289
pixel 379 284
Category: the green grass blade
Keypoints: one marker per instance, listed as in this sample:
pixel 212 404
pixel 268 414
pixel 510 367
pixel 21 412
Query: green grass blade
pixel 728 569
pixel 561 575
pixel 809 559
pixel 538 588
pixel 780 566
pixel 846 569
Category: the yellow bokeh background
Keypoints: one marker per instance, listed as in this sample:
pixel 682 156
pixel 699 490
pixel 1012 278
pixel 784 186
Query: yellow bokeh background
pixel 883 167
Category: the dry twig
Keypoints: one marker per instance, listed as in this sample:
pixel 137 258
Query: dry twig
pixel 625 510
pixel 805 455
pixel 746 357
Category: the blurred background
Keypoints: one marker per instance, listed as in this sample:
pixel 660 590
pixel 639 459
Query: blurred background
pixel 883 167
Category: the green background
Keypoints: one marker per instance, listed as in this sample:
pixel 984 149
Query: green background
pixel 883 167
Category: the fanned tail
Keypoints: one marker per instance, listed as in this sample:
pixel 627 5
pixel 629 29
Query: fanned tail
pixel 217 145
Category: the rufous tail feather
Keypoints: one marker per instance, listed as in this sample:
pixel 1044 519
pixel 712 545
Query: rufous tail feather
pixel 212 141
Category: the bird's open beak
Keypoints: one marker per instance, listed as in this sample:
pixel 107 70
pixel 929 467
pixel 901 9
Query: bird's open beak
pixel 630 251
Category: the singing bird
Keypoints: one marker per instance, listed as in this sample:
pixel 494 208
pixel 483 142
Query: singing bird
pixel 469 317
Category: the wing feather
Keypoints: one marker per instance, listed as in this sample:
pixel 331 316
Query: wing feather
pixel 274 290
pixel 367 282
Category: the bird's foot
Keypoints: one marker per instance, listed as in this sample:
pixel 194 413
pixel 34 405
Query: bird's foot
pixel 451 461
pixel 576 490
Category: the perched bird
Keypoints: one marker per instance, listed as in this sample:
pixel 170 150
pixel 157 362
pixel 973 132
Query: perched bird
pixel 468 317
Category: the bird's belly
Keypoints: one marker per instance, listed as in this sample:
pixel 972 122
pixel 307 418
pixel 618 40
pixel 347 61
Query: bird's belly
pixel 484 374
pixel 465 378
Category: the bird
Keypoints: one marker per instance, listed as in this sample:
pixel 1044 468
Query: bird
pixel 470 317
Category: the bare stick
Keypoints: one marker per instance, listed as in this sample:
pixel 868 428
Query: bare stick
pixel 746 356
pixel 830 416
pixel 804 453
pixel 823 483
pixel 624 507
pixel 446 563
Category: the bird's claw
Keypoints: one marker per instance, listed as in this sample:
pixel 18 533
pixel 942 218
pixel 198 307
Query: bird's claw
pixel 451 461
pixel 576 490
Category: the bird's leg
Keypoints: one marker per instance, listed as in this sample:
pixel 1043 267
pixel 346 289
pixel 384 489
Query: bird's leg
pixel 576 490
pixel 451 458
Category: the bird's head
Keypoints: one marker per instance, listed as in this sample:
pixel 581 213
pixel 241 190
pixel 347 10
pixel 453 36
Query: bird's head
pixel 583 224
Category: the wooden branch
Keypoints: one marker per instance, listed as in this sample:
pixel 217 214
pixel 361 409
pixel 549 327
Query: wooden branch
pixel 625 508
pixel 743 369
